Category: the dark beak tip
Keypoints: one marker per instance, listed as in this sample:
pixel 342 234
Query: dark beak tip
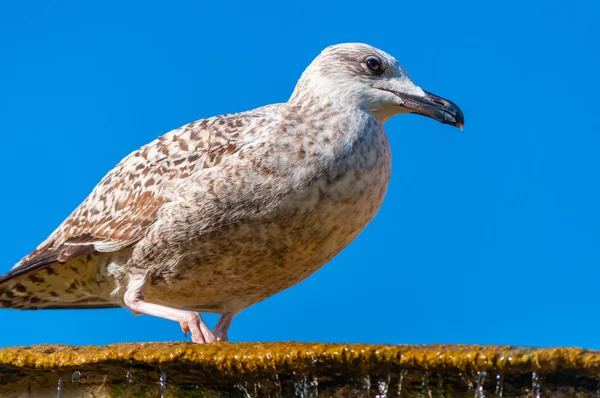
pixel 460 120
pixel 457 114
pixel 453 116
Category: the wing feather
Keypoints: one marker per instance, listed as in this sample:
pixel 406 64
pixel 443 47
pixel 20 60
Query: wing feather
pixel 126 201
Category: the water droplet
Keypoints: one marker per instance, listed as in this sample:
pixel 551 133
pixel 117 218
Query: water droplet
pixel 479 387
pixel 467 380
pixel 440 386
pixel 425 389
pixel 256 386
pixel 313 387
pixel 535 385
pixel 76 376
pixel 299 387
pixel 243 389
pixel 307 387
pixel 128 376
pixel 163 383
pixel 365 385
pixel 382 384
pixel 59 388
pixel 277 382
pixel 499 385
pixel 401 377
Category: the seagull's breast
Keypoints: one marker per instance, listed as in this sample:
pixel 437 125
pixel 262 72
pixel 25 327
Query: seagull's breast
pixel 244 263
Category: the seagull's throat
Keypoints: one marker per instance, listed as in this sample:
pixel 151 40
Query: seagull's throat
pixel 384 113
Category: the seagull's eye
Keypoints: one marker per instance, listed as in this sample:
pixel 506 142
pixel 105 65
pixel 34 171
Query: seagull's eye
pixel 374 64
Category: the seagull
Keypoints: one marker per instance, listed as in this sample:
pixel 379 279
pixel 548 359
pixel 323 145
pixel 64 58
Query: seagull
pixel 224 212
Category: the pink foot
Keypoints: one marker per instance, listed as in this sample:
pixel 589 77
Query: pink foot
pixel 196 326
pixel 222 326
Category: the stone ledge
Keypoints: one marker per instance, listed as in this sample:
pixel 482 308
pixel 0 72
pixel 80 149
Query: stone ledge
pixel 233 367
pixel 256 357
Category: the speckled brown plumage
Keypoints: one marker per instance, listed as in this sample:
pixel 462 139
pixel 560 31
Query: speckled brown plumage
pixel 224 212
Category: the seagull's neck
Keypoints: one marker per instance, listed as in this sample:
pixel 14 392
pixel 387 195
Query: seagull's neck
pixel 327 110
pixel 333 124
pixel 325 106
pixel 316 91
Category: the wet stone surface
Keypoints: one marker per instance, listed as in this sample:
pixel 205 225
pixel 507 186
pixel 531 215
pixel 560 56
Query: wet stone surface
pixel 297 370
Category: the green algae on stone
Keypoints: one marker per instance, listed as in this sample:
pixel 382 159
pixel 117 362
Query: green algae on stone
pixel 281 369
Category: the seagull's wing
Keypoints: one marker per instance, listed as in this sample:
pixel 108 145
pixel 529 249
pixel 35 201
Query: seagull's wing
pixel 125 203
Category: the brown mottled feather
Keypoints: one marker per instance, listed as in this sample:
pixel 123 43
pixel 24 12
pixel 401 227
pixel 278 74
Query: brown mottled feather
pixel 126 201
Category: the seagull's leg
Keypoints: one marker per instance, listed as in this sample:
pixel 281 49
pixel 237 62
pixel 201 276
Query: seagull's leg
pixel 220 330
pixel 190 321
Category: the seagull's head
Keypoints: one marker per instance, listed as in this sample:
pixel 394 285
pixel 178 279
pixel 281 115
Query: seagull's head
pixel 361 75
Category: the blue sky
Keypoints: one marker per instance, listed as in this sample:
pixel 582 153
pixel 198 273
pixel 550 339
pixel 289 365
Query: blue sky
pixel 487 236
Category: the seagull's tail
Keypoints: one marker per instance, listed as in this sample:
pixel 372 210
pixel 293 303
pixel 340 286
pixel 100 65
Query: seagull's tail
pixel 56 285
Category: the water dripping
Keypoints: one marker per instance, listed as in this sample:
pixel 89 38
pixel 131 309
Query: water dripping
pixel 277 384
pixel 440 386
pixel 426 390
pixel 467 380
pixel 59 388
pixel 243 389
pixel 382 386
pixel 479 393
pixel 535 385
pixel 256 386
pixel 314 387
pixel 163 383
pixel 306 387
pixel 500 385
pixel 300 388
pixel 128 376
pixel 360 386
pixel 76 376
pixel 401 377
pixel 366 384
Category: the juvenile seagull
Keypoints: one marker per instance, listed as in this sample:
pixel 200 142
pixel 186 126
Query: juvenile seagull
pixel 224 212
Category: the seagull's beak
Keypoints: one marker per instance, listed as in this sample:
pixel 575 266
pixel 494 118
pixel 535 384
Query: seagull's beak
pixel 438 108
